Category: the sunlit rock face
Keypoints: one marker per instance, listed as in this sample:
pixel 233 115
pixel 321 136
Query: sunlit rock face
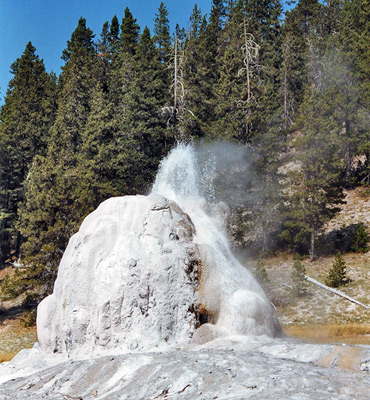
pixel 127 281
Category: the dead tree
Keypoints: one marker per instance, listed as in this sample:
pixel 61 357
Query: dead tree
pixel 335 291
pixel 176 109
pixel 250 51
pixel 315 67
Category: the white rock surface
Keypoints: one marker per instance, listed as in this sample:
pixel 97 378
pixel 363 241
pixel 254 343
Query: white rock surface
pixel 127 281
pixel 248 368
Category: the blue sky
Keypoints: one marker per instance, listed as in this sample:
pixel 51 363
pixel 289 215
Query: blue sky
pixel 48 24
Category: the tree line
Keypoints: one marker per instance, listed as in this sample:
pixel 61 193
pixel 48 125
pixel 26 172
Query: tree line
pixel 294 88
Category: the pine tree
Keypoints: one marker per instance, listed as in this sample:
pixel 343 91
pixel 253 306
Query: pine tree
pixel 194 72
pixel 300 45
pixel 162 40
pixel 102 65
pixel 352 40
pixel 180 34
pixel 267 33
pixel 26 118
pixel 113 37
pixel 298 276
pixel 53 208
pixel 290 86
pixel 264 199
pixel 162 32
pixel 337 275
pixel 230 123
pixel 143 140
pixel 129 34
pixel 115 80
pixel 355 37
pixel 210 43
pixel 331 112
pixel 331 18
pixel 213 39
pixel 360 239
pixel 343 95
pixel 195 22
pixel 230 91
pixel 97 157
pixel 315 189
pixel 113 49
pixel 123 77
pixel 261 272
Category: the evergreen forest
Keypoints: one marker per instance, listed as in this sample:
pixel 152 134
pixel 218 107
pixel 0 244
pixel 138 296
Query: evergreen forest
pixel 293 88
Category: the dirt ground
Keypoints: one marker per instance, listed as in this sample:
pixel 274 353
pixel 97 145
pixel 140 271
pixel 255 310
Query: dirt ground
pixel 14 335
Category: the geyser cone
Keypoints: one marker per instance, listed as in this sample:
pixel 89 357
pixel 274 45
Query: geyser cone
pixel 127 281
pixel 146 271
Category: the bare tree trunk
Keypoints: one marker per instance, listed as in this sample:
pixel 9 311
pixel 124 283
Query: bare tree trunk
pixel 175 86
pixel 264 238
pixel 175 109
pixel 348 154
pixel 246 61
pixel 348 163
pixel 335 291
pixel 312 246
pixel 248 83
pixel 251 50
pixel 285 101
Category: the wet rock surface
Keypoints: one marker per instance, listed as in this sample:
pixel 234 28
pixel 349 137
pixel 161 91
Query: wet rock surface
pixel 225 371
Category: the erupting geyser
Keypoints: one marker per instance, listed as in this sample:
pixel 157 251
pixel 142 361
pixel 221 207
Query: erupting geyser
pixel 231 299
pixel 144 271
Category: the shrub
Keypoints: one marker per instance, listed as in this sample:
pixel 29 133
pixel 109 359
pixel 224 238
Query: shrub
pixel 261 273
pixel 30 319
pixel 337 275
pixel 360 239
pixel 8 289
pixel 298 278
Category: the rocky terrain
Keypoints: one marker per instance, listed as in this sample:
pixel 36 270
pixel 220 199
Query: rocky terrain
pixel 228 369
pixel 356 210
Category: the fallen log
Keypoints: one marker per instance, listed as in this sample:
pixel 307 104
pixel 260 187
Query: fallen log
pixel 335 291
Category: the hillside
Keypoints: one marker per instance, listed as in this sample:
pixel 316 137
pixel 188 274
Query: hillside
pixel 323 316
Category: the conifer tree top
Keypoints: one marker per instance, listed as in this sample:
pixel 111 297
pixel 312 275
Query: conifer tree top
pixel 129 33
pixel 81 41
